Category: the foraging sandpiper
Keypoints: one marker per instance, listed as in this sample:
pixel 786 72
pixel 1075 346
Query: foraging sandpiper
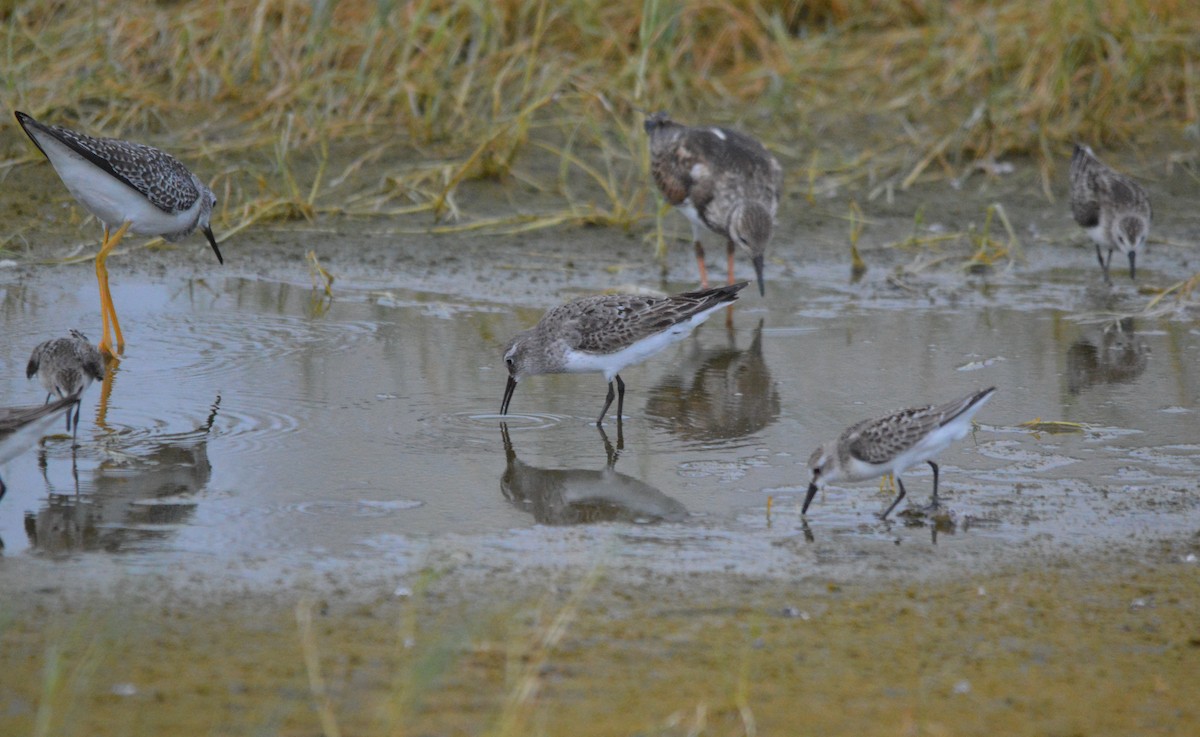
pixel 66 366
pixel 722 180
pixel 893 443
pixel 1111 207
pixel 128 187
pixel 605 334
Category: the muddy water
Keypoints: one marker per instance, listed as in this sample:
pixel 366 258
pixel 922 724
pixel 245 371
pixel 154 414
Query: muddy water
pixel 256 431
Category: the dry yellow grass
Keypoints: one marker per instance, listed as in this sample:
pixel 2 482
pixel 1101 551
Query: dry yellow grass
pixel 387 107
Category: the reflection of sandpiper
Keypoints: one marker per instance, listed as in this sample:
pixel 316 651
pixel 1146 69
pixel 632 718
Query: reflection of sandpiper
pixel 581 496
pixel 128 187
pixel 66 367
pixel 721 394
pixel 605 334
pixel 893 443
pixel 1118 357
pixel 722 180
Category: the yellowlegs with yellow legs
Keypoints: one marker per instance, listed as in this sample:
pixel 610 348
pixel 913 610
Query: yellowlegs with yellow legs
pixel 129 187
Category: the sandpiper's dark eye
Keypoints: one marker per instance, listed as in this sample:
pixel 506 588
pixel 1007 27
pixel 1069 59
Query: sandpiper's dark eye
pixel 510 362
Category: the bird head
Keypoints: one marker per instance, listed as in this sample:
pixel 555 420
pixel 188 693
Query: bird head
pixel 822 467
pixel 1129 233
pixel 750 227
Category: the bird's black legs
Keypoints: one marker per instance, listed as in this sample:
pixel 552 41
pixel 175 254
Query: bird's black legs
pixel 900 485
pixel 933 465
pixel 1104 263
pixel 619 394
pixel 607 404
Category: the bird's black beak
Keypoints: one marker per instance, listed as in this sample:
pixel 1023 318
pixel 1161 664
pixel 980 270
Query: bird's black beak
pixel 1132 265
pixel 812 491
pixel 758 268
pixel 213 242
pixel 508 392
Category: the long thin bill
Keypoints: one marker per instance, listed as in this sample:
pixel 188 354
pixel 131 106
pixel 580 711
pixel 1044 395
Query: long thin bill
pixel 758 269
pixel 213 241
pixel 508 392
pixel 812 491
pixel 1133 264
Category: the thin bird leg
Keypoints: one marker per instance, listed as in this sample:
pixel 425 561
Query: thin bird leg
pixel 78 406
pixel 896 501
pixel 607 404
pixel 935 504
pixel 107 310
pixel 620 400
pixel 700 263
pixel 729 250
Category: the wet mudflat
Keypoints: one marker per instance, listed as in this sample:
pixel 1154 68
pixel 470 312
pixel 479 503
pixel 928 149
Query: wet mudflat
pixel 262 449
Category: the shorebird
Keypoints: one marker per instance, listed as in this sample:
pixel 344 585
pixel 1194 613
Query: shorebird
pixel 893 443
pixel 605 334
pixel 66 366
pixel 1111 207
pixel 129 187
pixel 720 179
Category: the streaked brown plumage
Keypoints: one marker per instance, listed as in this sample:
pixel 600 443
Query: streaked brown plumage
pixel 1113 209
pixel 606 333
pixel 65 367
pixel 720 179
pixel 892 443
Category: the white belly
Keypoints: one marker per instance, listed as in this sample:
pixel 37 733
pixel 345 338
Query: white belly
pixel 112 201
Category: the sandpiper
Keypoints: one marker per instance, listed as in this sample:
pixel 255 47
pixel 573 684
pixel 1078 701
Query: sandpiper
pixel 893 443
pixel 722 180
pixel 66 366
pixel 1111 207
pixel 128 187
pixel 605 334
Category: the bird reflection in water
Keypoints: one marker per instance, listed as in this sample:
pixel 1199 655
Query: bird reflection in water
pixel 135 502
pixel 717 394
pixel 1115 356
pixel 583 496
pixel 20 427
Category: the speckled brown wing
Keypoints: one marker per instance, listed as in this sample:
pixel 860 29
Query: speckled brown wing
pixel 609 323
pixel 671 166
pixel 1085 200
pixel 162 178
pixel 880 440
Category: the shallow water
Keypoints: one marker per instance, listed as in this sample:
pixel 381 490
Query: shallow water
pixel 256 431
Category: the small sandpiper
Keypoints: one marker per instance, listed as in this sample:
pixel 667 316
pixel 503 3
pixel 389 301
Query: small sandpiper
pixel 66 367
pixel 1111 207
pixel 128 187
pixel 722 180
pixel 605 334
pixel 893 443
